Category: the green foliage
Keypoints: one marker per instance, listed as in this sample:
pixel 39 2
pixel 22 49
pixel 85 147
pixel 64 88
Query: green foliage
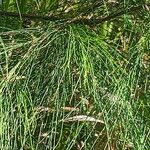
pixel 50 72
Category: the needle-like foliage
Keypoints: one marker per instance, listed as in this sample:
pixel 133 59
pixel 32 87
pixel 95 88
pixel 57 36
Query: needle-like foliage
pixel 74 75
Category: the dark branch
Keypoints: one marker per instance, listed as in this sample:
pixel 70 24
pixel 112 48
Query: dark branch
pixel 29 16
pixel 98 20
pixel 77 20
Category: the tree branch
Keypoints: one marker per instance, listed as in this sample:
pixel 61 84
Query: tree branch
pixel 77 20
pixel 98 20
pixel 29 16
